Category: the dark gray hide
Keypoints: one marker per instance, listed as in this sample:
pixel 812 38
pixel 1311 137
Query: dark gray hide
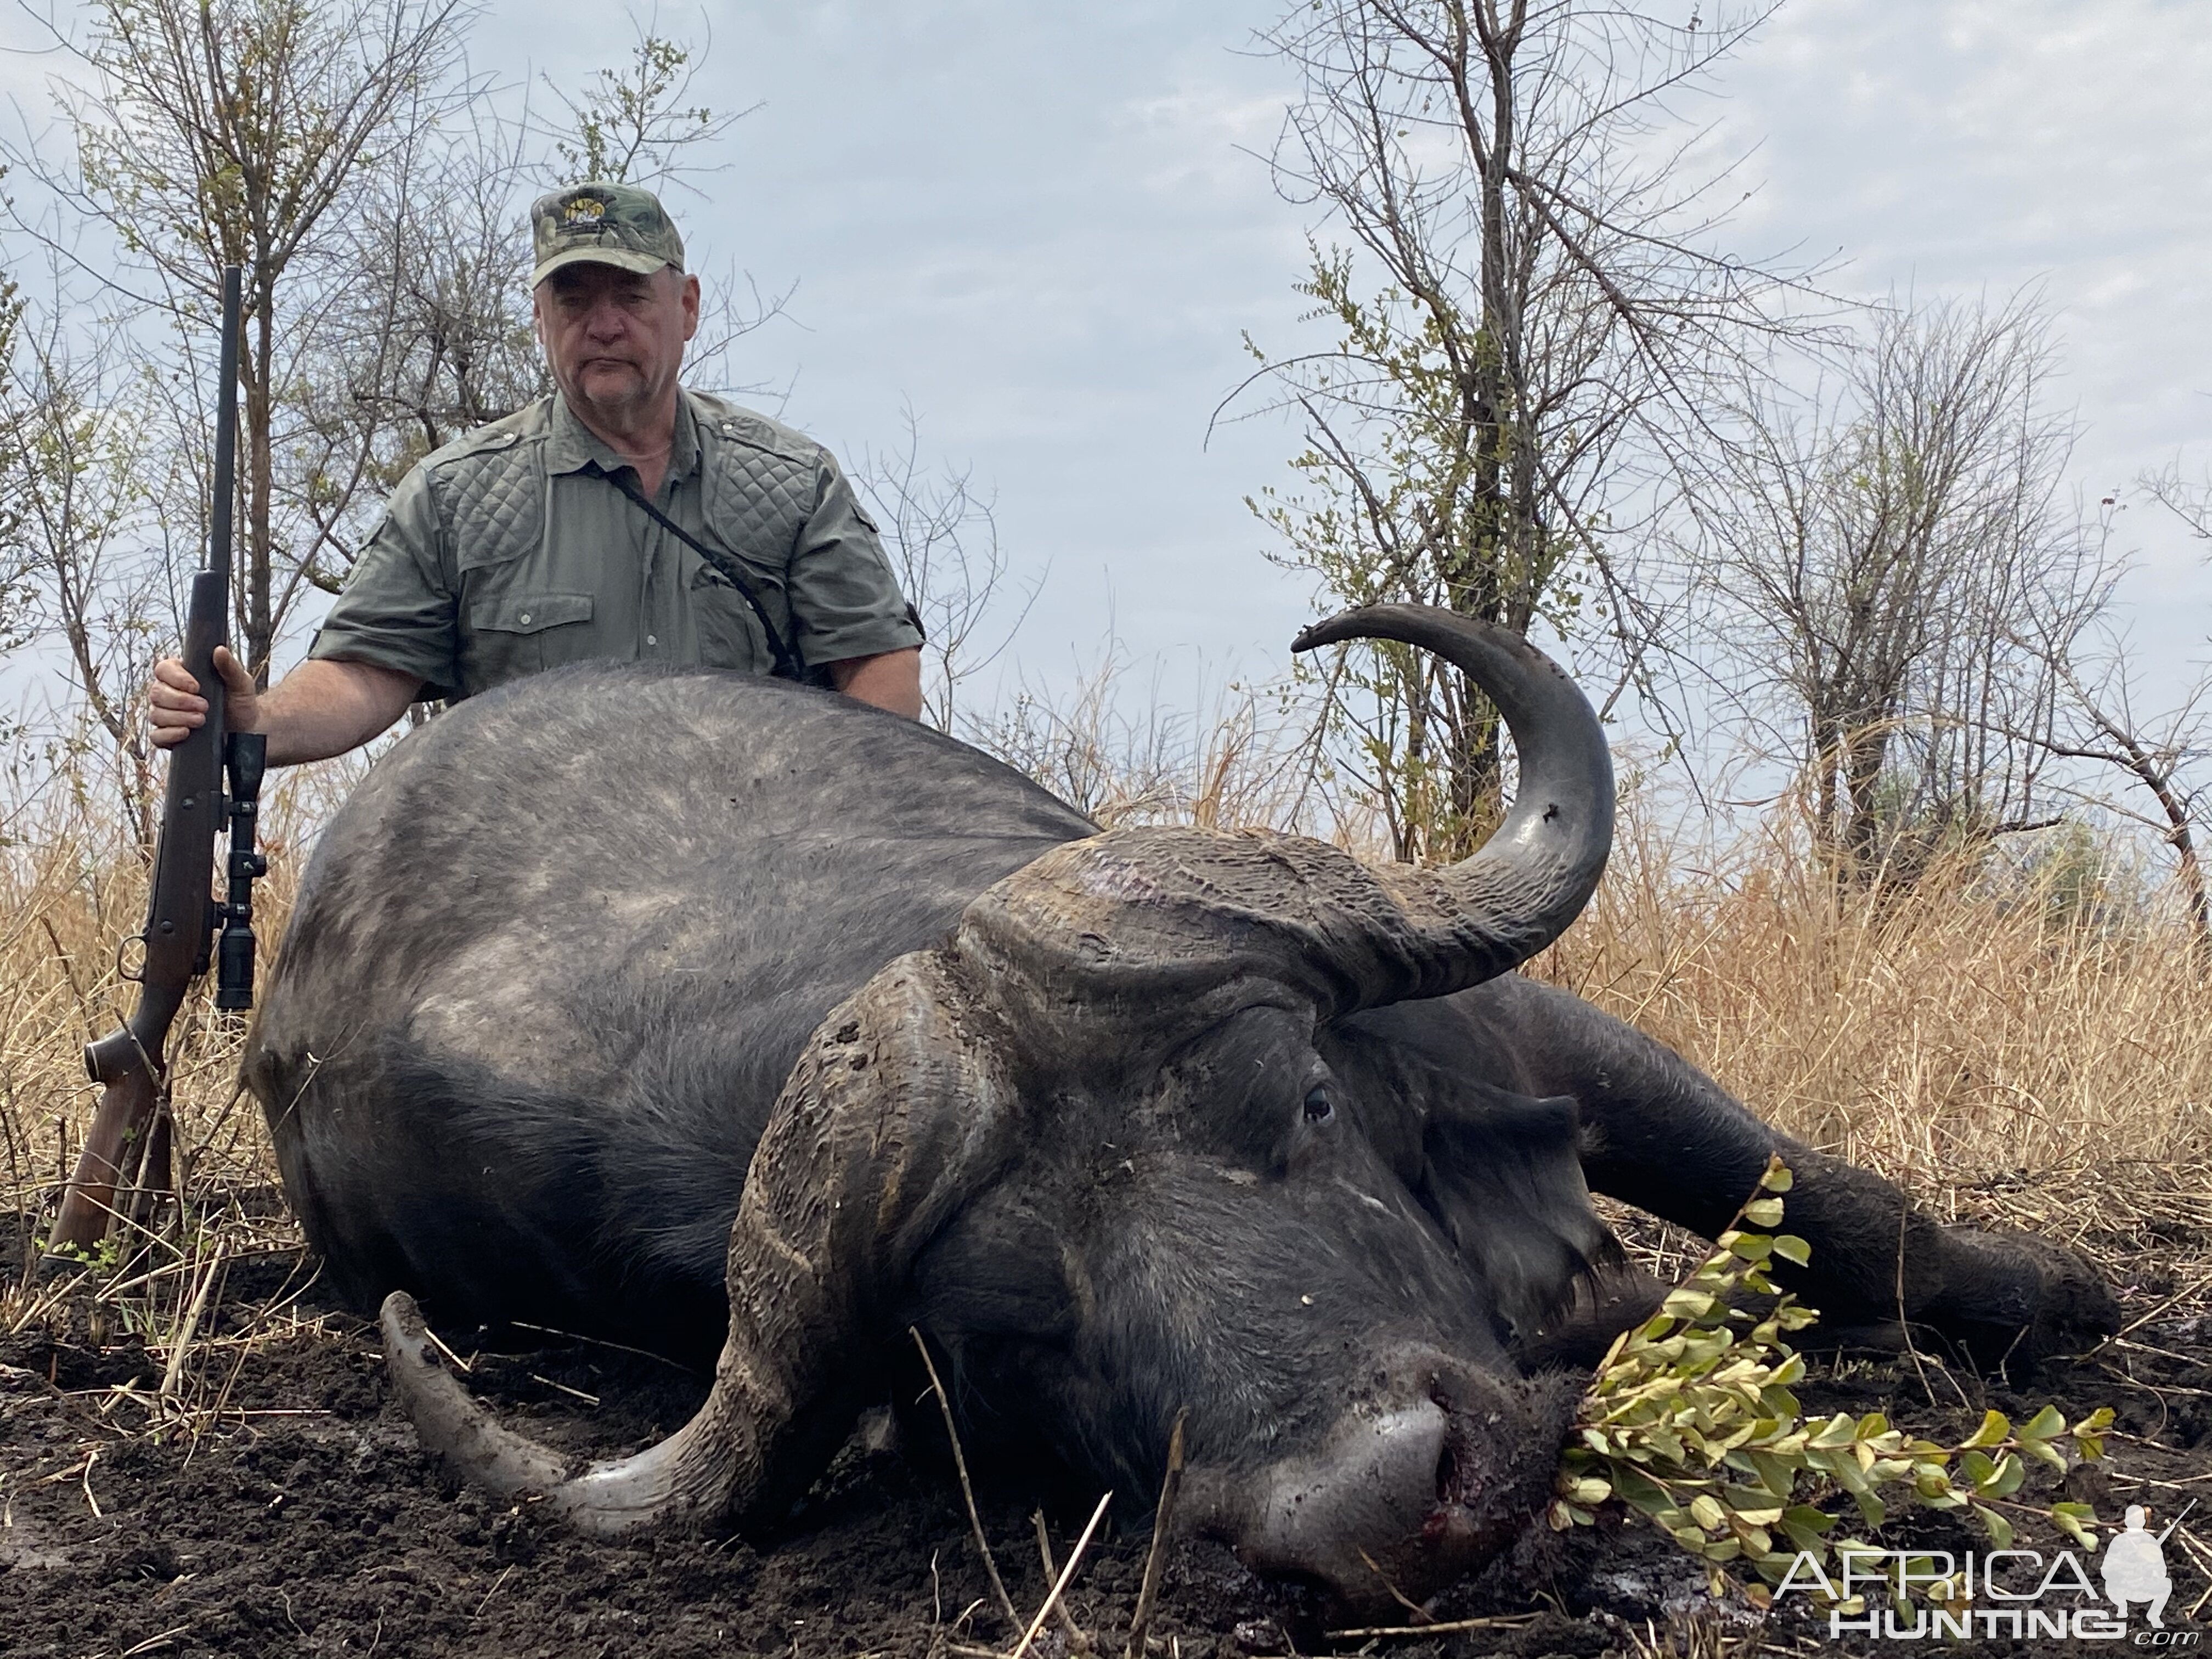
pixel 553 963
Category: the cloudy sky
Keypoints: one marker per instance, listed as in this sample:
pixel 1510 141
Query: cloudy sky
pixel 1044 228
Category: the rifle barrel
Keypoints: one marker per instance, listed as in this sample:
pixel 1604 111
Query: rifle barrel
pixel 226 429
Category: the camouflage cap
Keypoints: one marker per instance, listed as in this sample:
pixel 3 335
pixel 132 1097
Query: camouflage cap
pixel 604 224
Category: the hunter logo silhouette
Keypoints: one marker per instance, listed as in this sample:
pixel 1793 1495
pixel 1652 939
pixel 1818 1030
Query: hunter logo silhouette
pixel 2135 1567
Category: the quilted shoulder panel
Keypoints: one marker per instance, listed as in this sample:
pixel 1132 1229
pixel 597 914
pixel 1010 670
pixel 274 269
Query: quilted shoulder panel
pixel 490 491
pixel 759 496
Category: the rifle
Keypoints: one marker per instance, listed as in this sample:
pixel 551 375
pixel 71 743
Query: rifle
pixel 127 1150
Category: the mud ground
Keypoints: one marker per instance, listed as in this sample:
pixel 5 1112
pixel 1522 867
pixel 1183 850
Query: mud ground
pixel 287 1512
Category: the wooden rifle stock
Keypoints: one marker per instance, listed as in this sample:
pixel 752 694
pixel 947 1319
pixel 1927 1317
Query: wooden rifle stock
pixel 127 1147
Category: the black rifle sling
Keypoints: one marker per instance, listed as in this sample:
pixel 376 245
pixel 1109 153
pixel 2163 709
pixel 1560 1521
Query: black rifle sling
pixel 786 661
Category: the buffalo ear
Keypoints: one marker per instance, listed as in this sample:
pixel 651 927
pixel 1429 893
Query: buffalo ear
pixel 889 1123
pixel 1502 1174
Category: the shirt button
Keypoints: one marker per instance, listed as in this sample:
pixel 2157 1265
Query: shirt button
pixel 524 618
pixel 650 639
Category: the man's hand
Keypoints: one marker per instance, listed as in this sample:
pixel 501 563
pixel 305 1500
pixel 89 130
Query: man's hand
pixel 178 710
pixel 324 707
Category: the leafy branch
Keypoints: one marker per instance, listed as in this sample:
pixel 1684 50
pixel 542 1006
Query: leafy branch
pixel 1691 1422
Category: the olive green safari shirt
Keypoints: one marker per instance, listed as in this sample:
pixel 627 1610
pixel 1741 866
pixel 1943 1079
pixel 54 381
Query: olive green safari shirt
pixel 504 554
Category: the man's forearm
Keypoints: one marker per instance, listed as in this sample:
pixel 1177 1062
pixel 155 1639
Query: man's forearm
pixel 326 706
pixel 892 680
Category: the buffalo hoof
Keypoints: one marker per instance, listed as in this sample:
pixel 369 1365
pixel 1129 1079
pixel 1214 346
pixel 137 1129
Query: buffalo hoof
pixel 2010 1300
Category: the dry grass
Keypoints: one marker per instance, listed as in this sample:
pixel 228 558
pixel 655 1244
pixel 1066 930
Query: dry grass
pixel 1966 1028
pixel 71 887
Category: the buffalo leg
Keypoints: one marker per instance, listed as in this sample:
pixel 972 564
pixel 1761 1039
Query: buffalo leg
pixel 1659 1134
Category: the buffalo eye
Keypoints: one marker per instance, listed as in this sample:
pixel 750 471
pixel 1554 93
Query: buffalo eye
pixel 1318 1108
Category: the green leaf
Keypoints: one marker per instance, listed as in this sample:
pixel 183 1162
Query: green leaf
pixel 2074 1520
pixel 2043 1451
pixel 1764 1212
pixel 1686 1304
pixel 1778 1178
pixel 1838 1431
pixel 1791 1247
pixel 1996 1425
pixel 2000 1529
pixel 2097 1422
pixel 2044 1425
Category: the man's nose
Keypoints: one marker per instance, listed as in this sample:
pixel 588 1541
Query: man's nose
pixel 603 321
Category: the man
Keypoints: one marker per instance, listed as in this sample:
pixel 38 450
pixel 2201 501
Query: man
pixel 622 516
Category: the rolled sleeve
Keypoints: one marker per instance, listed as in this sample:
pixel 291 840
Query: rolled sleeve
pixel 398 611
pixel 845 600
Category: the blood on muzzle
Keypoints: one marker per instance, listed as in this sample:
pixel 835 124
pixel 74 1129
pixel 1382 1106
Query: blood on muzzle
pixel 1404 1495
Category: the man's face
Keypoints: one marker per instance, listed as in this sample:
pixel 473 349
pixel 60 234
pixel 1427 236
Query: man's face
pixel 616 339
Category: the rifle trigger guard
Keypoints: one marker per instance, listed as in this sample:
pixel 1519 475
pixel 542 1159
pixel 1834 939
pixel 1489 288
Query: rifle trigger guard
pixel 122 969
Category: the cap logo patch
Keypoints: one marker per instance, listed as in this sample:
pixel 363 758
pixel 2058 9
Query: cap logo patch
pixel 586 212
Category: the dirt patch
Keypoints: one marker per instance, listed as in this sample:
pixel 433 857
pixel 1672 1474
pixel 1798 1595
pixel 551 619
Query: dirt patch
pixel 287 1511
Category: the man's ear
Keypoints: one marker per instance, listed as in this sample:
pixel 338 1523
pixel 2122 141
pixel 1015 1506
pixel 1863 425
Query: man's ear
pixel 690 305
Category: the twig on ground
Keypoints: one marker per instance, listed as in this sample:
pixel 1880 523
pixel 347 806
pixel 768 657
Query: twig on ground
pixel 2196 1287
pixel 1067 1573
pixel 967 1490
pixel 174 1373
pixel 153 1641
pixel 601 1342
pixel 1451 1626
pixel 2196 1553
pixel 588 1399
pixel 1156 1558
pixel 466 1367
pixel 1420 1613
pixel 493 1591
pixel 1077 1642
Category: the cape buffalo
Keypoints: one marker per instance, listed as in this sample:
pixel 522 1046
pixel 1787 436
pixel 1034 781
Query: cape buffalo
pixel 686 1007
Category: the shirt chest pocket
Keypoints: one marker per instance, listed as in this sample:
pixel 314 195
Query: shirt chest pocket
pixel 730 634
pixel 510 635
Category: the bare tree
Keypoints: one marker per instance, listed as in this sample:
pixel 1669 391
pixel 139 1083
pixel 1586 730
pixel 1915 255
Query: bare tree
pixel 242 131
pixel 431 338
pixel 1531 306
pixel 943 537
pixel 2096 718
pixel 1884 546
pixel 2188 499
pixel 76 456
pixel 18 559
pixel 633 124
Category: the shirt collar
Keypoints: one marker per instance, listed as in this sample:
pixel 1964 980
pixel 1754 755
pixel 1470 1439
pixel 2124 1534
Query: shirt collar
pixel 570 445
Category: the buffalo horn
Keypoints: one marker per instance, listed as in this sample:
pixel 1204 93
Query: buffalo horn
pixel 1181 927
pixel 884 1125
pixel 1515 894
